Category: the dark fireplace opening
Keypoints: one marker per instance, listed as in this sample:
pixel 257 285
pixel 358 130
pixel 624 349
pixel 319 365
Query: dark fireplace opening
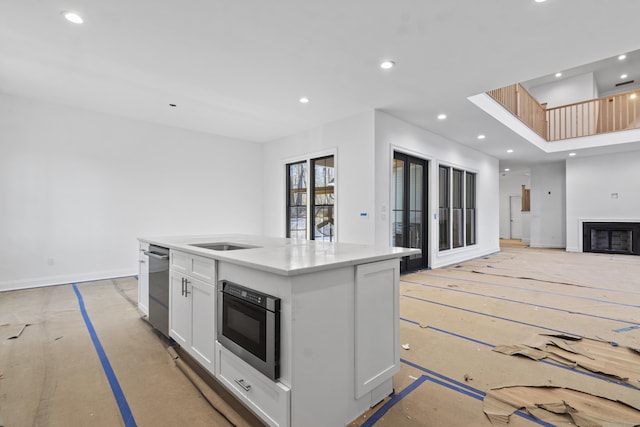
pixel 611 237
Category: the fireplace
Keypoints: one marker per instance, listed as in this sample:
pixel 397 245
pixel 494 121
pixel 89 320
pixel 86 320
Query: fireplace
pixel 611 237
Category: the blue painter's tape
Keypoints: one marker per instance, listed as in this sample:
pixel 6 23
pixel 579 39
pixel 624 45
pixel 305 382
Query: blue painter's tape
pixel 125 411
pixel 525 303
pixel 630 328
pixel 395 398
pixel 557 365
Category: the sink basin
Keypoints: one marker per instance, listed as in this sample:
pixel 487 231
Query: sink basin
pixel 222 246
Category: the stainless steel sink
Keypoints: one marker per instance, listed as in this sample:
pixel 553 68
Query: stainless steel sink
pixel 222 246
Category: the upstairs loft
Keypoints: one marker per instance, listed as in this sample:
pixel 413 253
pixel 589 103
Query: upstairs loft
pixel 615 113
pixel 589 106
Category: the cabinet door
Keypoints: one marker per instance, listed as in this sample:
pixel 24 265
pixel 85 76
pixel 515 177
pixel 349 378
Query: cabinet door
pixel 377 324
pixel 203 330
pixel 143 282
pixel 179 310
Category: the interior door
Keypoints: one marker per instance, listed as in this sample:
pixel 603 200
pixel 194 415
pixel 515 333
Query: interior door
pixel 410 227
pixel 515 217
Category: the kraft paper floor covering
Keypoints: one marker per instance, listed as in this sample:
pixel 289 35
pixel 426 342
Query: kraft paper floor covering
pixel 452 319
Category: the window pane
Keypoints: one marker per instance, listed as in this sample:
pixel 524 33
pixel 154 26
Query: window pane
pixel 323 198
pixel 470 219
pixel 443 211
pixel 297 200
pixel 416 178
pixel 398 203
pixel 457 205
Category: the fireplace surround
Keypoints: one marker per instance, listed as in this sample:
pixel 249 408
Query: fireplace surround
pixel 611 237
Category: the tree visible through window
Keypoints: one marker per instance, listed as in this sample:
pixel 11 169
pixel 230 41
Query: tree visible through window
pixel 314 199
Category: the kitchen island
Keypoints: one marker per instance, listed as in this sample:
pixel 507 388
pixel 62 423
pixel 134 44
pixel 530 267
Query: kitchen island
pixel 338 334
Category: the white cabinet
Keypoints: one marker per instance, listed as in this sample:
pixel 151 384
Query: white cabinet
pixel 377 335
pixel 143 279
pixel 192 306
pixel 269 400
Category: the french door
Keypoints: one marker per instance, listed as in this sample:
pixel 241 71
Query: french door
pixel 409 202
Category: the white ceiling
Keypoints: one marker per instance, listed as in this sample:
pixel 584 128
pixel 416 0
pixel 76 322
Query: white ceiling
pixel 238 67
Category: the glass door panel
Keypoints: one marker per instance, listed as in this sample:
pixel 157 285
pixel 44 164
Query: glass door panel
pixel 409 209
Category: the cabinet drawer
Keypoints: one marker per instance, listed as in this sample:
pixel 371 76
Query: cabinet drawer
pixel 202 268
pixel 196 266
pixel 269 400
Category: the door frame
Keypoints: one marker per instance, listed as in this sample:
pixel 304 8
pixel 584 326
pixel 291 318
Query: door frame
pixel 406 264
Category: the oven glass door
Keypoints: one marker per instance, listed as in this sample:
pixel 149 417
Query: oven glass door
pixel 246 325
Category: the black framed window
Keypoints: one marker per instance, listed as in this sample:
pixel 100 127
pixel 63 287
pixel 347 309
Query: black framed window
pixel 470 208
pixel 323 198
pixel 457 205
pixel 311 199
pixel 457 195
pixel 297 200
pixel 443 211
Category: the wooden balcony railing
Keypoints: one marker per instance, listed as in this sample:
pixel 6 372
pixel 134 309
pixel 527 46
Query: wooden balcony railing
pixel 521 104
pixel 602 115
pixel 613 113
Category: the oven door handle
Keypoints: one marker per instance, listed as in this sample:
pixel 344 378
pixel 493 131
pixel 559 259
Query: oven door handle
pixel 157 256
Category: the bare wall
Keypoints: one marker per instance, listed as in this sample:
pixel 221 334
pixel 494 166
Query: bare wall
pixel 601 188
pixel 77 188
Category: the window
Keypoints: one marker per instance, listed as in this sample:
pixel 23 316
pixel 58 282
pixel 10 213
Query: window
pixel 470 208
pixel 443 212
pixel 315 200
pixel 457 208
pixel 297 200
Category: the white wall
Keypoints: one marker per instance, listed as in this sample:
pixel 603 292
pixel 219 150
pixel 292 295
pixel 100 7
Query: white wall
pixel 592 185
pixel 566 91
pixel 77 188
pixel 351 140
pixel 511 185
pixel 394 134
pixel 548 206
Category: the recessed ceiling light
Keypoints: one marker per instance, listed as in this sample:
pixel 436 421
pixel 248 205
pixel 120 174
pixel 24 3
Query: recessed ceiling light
pixel 624 76
pixel 72 17
pixel 507 169
pixel 622 57
pixel 540 1
pixel 572 154
pixel 385 65
pixel 633 96
pixel 481 137
pixel 558 74
pixel 442 116
pixel 304 100
pixel 509 150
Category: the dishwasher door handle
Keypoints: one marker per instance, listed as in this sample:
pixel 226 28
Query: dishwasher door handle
pixel 157 256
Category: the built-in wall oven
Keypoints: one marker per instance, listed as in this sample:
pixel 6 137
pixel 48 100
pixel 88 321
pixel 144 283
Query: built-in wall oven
pixel 249 326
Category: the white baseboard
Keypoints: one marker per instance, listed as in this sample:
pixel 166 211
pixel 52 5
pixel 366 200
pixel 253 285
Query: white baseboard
pixel 38 282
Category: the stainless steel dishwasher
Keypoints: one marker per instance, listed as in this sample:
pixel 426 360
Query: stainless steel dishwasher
pixel 159 288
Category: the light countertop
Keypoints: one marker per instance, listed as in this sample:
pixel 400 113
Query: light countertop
pixel 286 257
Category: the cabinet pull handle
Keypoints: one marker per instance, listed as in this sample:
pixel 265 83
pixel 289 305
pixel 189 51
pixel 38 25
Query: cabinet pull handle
pixel 241 383
pixel 186 288
pixel 182 289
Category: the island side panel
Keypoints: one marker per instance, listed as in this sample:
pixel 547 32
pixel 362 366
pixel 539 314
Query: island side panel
pixel 323 391
pixel 377 328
